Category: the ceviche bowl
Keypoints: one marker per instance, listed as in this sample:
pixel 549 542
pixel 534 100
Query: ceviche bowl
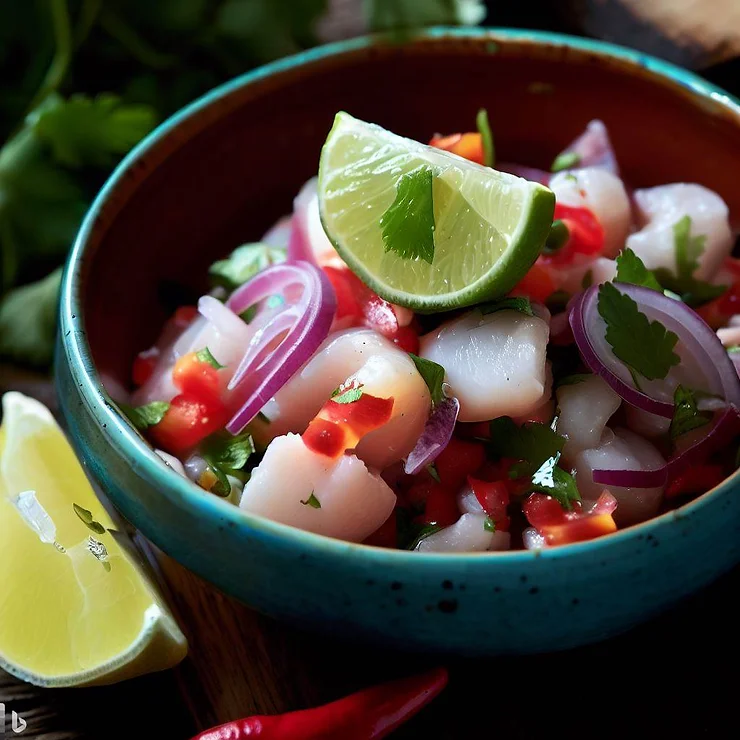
pixel 220 172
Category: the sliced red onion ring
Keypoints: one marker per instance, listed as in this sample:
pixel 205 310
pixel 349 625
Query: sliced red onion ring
pixel 735 359
pixel 696 338
pixel 594 149
pixel 528 173
pixel 435 437
pixel 726 427
pixel 310 318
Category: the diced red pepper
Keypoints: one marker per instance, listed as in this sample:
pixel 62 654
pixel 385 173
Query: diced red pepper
pixel 579 530
pixel 542 511
pixel 469 146
pixel 458 460
pixel 494 498
pixel 586 235
pixel 197 378
pixel 695 480
pixel 187 421
pixel 325 437
pixel 407 339
pixel 537 284
pixel 441 506
pixel 144 365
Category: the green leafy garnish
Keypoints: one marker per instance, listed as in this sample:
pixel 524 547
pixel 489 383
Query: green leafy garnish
pixel 573 379
pixel 312 501
pixel 143 417
pixel 86 517
pixel 244 263
pixel 733 348
pixel 565 161
pixel 557 238
pixel 489 525
pixel 205 355
pixel 532 443
pixel 347 396
pixel 405 15
pixel 645 346
pixel 688 250
pixel 421 534
pixel 432 470
pixel 408 224
pixel 552 480
pixel 631 269
pixel 486 137
pixel 433 375
pixel 227 452
pixel 514 303
pixel 587 280
pixel 686 415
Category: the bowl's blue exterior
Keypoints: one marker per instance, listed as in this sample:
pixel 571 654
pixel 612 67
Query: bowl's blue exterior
pixel 469 604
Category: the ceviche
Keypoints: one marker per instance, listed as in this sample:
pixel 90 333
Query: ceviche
pixel 441 352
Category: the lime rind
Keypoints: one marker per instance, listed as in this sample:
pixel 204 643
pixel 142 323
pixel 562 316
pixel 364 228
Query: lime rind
pixel 490 226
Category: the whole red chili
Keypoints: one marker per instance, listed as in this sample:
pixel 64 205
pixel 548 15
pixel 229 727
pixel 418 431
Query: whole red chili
pixel 366 715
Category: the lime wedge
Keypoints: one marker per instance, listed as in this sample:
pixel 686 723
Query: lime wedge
pixel 376 197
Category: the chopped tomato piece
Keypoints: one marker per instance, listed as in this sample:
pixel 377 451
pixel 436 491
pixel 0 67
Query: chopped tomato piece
pixel 386 535
pixel 184 315
pixel 468 145
pixel 348 304
pixel 537 284
pixel 586 235
pixel 459 460
pixel 579 530
pixel 698 479
pixel 326 438
pixel 196 378
pixel 494 498
pixel 144 365
pixel 187 421
pixel 441 506
pixel 407 339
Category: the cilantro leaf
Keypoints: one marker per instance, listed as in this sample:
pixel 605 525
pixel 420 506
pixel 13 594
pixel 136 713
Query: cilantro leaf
pixel 484 129
pixel 408 224
pixel 532 442
pixel 312 501
pixel 433 375
pixel 347 396
pixel 686 415
pixel 557 238
pixel 421 533
pixel 143 417
pixel 565 161
pixel 489 525
pixel 227 452
pixel 432 470
pixel 513 303
pixel 28 319
pixel 205 355
pixel 552 480
pixel 91 131
pixel 645 346
pixel 85 515
pixel 244 263
pixel 631 269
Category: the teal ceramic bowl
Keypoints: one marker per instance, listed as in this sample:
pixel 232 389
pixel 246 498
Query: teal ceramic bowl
pixel 220 171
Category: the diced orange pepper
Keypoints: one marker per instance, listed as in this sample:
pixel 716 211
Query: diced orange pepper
pixel 469 146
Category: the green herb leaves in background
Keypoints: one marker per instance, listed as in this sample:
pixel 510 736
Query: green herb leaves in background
pixel 143 417
pixel 244 263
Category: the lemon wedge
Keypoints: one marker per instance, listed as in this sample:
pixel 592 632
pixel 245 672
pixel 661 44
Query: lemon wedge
pixel 75 607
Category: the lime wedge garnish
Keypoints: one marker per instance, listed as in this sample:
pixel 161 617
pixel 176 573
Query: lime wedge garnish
pixel 380 195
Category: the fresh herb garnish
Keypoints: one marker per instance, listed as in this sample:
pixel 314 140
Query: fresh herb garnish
pixel 532 443
pixel 421 534
pixel 486 137
pixel 686 415
pixel 645 346
pixel 631 269
pixel 432 470
pixel 350 395
pixel 489 525
pixel 688 250
pixel 557 237
pixel 552 480
pixel 143 417
pixel 408 224
pixel 587 280
pixel 205 355
pixel 565 161
pixel 86 517
pixel 514 303
pixel 433 375
pixel 244 263
pixel 227 451
pixel 312 501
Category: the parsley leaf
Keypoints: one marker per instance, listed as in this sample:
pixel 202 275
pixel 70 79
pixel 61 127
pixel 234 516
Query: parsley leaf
pixel 489 525
pixel 205 355
pixel 227 452
pixel 565 161
pixel 532 442
pixel 556 482
pixel 433 375
pixel 631 269
pixel 645 346
pixel 513 303
pixel 312 501
pixel 348 396
pixel 143 417
pixel 484 129
pixel 244 263
pixel 408 224
pixel 686 415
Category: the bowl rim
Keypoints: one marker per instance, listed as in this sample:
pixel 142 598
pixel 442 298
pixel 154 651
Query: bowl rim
pixel 182 492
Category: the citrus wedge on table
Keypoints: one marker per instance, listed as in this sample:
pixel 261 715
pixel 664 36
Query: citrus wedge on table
pixel 425 228
pixel 75 608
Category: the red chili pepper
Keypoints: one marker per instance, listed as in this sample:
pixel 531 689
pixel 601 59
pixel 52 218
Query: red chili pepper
pixel 366 715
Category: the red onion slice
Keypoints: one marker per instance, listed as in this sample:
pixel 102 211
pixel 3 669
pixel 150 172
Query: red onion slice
pixel 263 374
pixel 697 343
pixel 435 437
pixel 594 149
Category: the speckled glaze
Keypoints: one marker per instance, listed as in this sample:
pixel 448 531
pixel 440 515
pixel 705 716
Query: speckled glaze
pixel 220 171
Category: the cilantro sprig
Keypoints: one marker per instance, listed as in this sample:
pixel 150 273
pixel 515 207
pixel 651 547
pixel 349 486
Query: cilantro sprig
pixel 552 480
pixel 143 417
pixel 686 414
pixel 226 455
pixel 433 375
pixel 349 395
pixel 532 443
pixel 631 269
pixel 243 264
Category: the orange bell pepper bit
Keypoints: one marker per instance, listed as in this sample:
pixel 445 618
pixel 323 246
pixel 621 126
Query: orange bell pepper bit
pixel 469 146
